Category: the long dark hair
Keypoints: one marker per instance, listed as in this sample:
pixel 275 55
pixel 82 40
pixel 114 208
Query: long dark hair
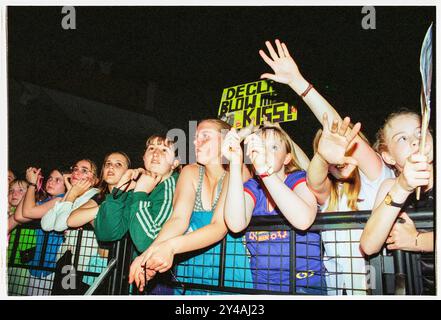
pixel 42 194
pixel 103 185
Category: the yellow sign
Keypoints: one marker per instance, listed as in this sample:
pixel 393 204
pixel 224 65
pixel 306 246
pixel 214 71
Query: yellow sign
pixel 254 101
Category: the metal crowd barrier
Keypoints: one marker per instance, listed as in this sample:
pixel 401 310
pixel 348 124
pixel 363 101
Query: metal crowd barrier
pixel 232 272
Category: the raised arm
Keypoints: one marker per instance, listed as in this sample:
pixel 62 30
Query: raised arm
pixel 30 210
pixel 238 205
pixel 286 71
pixel 383 217
pixel 332 147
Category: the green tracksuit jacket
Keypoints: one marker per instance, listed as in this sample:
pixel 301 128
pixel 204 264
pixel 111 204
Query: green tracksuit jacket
pixel 139 213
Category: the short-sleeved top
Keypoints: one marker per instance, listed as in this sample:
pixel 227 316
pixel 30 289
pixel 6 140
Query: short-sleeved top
pixel 98 198
pixel 269 251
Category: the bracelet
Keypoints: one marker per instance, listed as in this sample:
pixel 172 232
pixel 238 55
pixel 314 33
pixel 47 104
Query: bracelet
pixel 310 86
pixel 31 184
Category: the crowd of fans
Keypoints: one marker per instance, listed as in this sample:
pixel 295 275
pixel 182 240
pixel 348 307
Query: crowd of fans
pixel 169 209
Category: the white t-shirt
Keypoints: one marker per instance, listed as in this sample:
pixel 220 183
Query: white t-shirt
pixel 343 258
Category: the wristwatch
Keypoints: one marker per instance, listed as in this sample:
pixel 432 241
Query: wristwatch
pixel 388 201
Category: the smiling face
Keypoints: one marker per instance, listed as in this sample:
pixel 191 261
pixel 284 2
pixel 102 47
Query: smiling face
pixel 83 171
pixel 55 183
pixel 402 138
pixel 17 190
pixel 159 157
pixel 114 167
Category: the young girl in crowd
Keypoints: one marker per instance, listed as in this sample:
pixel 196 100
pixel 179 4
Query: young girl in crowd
pixel 41 281
pixel 16 192
pixel 18 278
pixel 143 211
pixel 279 188
pixel 337 186
pixel 114 166
pixel 197 222
pixel 398 142
pixel 80 184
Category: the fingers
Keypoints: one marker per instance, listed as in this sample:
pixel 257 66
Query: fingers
pixel 279 49
pixel 334 126
pixel 392 246
pixel 405 216
pixel 354 132
pixel 350 160
pixel 416 157
pixel 344 126
pixel 266 59
pixel 285 50
pixel 273 53
pixel 325 122
pixel 389 240
pixel 268 76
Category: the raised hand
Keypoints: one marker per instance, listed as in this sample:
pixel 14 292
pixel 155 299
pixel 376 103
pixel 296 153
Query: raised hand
pixel 147 182
pixel 66 178
pixel 130 175
pixel 335 141
pixel 250 129
pixel 231 148
pixel 284 67
pixel 32 174
pixel 416 172
pixel 256 152
pixel 80 188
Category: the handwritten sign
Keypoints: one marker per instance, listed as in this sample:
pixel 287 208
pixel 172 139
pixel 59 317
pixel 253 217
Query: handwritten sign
pixel 254 101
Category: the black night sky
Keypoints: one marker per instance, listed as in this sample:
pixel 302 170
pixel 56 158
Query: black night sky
pixel 188 55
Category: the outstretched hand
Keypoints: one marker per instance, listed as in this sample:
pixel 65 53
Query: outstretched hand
pixel 284 67
pixel 335 141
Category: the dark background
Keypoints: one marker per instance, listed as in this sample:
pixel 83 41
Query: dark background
pixel 186 56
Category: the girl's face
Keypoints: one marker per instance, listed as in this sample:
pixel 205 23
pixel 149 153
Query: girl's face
pixel 159 158
pixel 16 192
pixel 114 167
pixel 275 151
pixel 55 183
pixel 82 171
pixel 208 142
pixel 11 176
pixel 402 137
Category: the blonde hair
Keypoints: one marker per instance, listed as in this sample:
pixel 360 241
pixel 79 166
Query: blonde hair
pixel 221 125
pixel 281 134
pixel 380 144
pixel 351 186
